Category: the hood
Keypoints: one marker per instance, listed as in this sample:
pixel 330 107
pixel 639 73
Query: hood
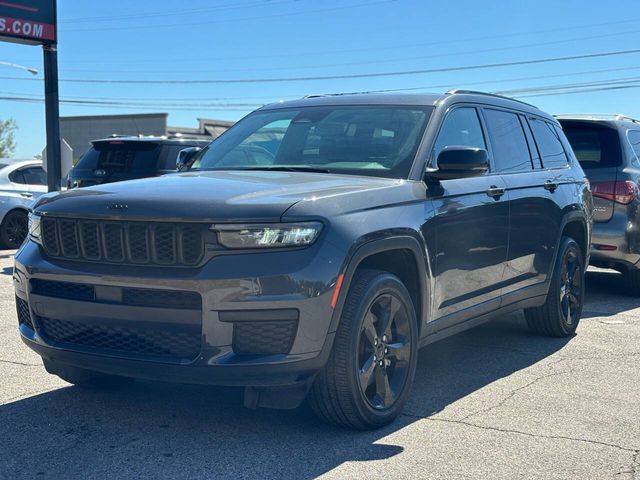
pixel 219 196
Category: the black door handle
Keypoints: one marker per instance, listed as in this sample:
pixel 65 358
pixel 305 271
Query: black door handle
pixel 550 185
pixel 495 192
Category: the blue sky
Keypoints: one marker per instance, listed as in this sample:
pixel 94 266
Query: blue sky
pixel 265 39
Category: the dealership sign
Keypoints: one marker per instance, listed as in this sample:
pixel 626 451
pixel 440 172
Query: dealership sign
pixel 28 21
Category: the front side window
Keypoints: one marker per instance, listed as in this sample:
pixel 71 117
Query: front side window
pixel 549 144
pixel 359 140
pixel 508 142
pixel 461 128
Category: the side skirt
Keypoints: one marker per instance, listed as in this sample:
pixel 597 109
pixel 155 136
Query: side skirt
pixel 445 332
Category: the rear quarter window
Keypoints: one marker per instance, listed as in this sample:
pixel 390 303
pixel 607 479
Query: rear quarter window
pixel 594 146
pixel 549 144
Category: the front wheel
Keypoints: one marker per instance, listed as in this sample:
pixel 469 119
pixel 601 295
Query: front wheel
pixel 368 377
pixel 560 314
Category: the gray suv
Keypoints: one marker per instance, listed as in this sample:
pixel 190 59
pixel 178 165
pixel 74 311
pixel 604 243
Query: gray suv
pixel 608 148
pixel 312 249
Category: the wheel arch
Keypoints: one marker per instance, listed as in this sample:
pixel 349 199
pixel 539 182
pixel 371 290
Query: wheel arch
pixel 575 226
pixel 14 209
pixel 402 256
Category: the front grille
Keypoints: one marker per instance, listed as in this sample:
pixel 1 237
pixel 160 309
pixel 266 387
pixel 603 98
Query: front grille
pixel 142 243
pixel 24 316
pixel 148 341
pixel 263 337
pixel 140 297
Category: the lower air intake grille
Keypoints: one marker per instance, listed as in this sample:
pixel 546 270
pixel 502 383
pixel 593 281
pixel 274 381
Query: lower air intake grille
pixel 263 337
pixel 72 291
pixel 170 344
pixel 24 317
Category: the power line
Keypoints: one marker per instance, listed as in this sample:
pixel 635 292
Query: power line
pixel 377 62
pixel 239 107
pixel 226 20
pixel 350 76
pixel 174 13
pixel 387 47
pixel 558 89
pixel 585 90
pixel 271 98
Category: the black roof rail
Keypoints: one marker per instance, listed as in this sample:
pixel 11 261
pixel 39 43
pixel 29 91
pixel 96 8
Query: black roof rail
pixel 318 95
pixel 478 92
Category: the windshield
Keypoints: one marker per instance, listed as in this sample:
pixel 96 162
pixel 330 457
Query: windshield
pixel 361 140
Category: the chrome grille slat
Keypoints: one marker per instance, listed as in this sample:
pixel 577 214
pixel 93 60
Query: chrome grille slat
pixel 138 243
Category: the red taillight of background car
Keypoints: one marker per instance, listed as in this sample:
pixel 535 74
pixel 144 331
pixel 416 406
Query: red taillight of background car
pixel 619 192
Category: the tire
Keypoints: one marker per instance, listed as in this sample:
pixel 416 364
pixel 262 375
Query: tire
pixel 632 282
pixel 84 378
pixel 14 229
pixel 560 314
pixel 387 361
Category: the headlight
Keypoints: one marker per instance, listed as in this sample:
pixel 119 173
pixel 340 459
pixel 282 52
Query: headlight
pixel 34 227
pixel 274 235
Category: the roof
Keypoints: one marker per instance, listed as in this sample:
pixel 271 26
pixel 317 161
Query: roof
pixel 602 118
pixel 409 99
pixel 151 139
pixel 359 99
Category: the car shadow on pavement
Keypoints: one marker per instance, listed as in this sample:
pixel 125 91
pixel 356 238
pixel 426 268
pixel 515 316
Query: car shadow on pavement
pixel 158 430
pixel 606 294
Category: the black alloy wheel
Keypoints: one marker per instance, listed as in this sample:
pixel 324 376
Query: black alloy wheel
pixel 560 314
pixel 384 352
pixel 369 374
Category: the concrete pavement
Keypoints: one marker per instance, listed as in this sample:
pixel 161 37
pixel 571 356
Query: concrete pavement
pixel 494 402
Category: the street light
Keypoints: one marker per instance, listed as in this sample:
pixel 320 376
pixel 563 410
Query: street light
pixel 32 71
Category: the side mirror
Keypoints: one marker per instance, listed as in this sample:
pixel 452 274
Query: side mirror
pixel 185 157
pixel 459 162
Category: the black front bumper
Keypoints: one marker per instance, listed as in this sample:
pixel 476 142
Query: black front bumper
pixel 246 289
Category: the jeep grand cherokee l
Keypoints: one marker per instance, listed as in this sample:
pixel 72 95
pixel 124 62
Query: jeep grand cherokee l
pixel 372 226
pixel 608 149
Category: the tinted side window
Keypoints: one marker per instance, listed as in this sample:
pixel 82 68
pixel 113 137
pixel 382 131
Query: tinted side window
pixel 16 177
pixel 634 139
pixel 461 127
pixel 549 144
pixel 508 142
pixel 34 176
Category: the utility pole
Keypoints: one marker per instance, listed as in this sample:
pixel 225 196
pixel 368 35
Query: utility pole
pixel 52 114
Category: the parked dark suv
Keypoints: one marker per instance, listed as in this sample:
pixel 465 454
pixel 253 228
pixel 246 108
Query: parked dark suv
pixel 608 148
pixel 126 158
pixel 361 228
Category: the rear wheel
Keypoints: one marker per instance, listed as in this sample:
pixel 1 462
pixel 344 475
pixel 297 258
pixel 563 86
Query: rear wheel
pixel 368 377
pixel 82 377
pixel 560 314
pixel 14 229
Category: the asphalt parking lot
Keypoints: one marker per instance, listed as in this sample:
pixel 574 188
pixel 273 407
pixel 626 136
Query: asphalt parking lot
pixel 494 402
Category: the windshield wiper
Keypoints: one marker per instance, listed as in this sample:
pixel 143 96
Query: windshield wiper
pixel 288 169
